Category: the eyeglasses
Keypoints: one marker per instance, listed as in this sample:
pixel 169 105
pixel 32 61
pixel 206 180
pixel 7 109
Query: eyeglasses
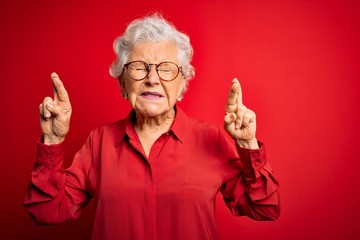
pixel 139 70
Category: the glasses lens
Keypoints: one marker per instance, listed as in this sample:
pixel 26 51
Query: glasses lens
pixel 168 71
pixel 137 70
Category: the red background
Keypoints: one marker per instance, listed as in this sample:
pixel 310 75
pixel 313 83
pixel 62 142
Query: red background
pixel 298 65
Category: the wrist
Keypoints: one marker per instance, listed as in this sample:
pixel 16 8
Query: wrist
pixel 248 144
pixel 51 140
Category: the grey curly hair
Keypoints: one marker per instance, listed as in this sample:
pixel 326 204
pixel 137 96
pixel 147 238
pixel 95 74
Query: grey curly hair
pixel 150 29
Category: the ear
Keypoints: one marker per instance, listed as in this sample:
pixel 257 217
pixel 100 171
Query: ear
pixel 121 81
pixel 182 89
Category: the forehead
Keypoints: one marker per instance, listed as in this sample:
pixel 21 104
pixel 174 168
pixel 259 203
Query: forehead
pixel 154 52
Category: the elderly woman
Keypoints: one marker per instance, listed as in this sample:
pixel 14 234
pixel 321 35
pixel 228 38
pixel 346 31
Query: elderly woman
pixel 154 174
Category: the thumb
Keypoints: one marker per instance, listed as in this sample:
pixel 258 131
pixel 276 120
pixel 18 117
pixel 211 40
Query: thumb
pixel 54 109
pixel 229 119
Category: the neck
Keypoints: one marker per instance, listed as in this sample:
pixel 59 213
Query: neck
pixel 160 122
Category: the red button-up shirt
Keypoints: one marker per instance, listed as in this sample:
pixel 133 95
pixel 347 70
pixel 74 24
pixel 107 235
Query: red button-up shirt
pixel 168 195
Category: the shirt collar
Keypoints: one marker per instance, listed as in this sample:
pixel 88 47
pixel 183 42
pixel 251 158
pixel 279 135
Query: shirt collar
pixel 126 129
pixel 179 124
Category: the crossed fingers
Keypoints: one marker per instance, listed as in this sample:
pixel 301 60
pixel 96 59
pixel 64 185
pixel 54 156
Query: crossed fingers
pixel 52 106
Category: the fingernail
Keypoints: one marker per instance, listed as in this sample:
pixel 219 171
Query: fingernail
pixel 47 115
pixel 54 74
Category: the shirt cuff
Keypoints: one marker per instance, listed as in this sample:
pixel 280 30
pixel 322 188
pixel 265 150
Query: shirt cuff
pixel 49 154
pixel 253 160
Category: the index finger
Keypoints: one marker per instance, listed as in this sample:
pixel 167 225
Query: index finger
pixel 60 93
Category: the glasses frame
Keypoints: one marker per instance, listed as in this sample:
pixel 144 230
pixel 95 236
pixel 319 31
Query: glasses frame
pixel 148 66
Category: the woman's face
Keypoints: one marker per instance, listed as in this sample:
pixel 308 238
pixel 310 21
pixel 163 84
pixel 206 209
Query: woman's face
pixel 152 97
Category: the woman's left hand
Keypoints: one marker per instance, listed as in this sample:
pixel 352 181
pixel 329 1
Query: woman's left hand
pixel 240 122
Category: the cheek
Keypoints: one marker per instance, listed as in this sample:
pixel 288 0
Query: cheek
pixel 130 87
pixel 173 92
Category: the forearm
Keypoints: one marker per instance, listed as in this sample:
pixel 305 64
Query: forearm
pixel 261 198
pixel 254 192
pixel 45 197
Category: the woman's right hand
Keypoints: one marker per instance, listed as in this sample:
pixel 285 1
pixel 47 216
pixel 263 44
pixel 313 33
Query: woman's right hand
pixel 55 114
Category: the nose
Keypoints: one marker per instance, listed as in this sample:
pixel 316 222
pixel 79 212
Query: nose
pixel 153 77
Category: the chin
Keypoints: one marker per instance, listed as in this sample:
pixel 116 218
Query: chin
pixel 154 111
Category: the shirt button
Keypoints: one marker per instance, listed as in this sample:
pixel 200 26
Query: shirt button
pixel 255 155
pixel 257 163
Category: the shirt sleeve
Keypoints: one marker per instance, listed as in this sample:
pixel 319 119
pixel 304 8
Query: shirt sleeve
pixel 250 187
pixel 54 194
